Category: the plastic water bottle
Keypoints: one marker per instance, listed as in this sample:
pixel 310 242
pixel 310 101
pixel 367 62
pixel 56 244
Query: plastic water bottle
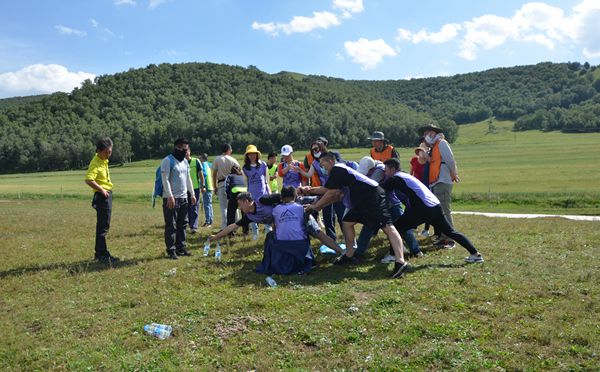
pixel 206 247
pixel 218 253
pixel 160 331
pixel 254 227
pixel 271 282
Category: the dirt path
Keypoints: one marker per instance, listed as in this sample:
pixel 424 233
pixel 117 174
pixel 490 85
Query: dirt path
pixel 526 215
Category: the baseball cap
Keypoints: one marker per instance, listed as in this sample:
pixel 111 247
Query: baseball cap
pixel 365 165
pixel 286 150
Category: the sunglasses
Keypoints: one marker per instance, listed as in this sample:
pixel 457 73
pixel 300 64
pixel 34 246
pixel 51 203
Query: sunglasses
pixel 315 149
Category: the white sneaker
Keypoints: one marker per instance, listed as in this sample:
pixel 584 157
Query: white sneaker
pixel 474 258
pixel 425 233
pixel 388 259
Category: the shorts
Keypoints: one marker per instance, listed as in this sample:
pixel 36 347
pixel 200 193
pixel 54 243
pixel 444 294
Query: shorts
pixel 375 212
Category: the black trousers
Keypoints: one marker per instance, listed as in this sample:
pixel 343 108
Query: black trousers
pixel 414 216
pixel 103 207
pixel 176 221
pixel 231 209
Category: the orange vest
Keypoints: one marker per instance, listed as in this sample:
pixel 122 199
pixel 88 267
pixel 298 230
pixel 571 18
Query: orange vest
pixel 382 155
pixel 314 179
pixel 435 163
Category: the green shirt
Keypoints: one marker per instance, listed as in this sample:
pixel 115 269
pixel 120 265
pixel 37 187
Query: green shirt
pixel 194 172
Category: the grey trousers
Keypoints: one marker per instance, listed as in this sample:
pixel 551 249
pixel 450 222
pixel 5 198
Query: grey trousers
pixel 443 191
pixel 222 194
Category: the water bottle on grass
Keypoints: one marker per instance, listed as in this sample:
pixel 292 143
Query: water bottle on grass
pixel 160 331
pixel 218 253
pixel 206 247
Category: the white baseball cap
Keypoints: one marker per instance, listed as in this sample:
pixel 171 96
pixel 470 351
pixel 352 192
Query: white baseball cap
pixel 365 165
pixel 286 150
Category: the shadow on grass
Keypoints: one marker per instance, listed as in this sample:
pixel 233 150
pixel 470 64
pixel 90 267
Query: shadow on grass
pixel 325 272
pixel 76 268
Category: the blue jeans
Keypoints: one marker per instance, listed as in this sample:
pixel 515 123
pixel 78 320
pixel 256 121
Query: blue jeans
pixel 194 211
pixel 208 208
pixel 329 218
pixel 366 233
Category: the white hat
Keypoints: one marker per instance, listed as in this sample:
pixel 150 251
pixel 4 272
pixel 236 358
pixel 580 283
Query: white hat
pixel 286 150
pixel 365 165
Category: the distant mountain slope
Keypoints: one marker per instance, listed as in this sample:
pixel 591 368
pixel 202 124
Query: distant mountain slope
pixel 506 93
pixel 144 110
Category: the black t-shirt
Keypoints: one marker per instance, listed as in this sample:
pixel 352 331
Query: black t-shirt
pixel 362 190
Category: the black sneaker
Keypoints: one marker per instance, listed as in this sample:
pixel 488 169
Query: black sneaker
pixel 172 255
pixel 399 269
pixel 107 259
pixel 345 260
pixel 183 252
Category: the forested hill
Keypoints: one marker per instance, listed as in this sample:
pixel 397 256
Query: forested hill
pixel 545 96
pixel 144 110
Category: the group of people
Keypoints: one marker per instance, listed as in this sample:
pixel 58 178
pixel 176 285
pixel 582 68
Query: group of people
pixel 314 195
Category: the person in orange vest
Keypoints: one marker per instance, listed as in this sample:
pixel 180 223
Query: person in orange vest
pixel 381 149
pixel 442 173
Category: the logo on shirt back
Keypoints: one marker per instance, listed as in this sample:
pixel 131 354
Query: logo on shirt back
pixel 288 215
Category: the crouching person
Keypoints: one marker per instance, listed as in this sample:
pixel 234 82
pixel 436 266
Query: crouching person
pixel 287 249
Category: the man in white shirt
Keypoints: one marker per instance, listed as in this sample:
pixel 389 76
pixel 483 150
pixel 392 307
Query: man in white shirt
pixel 221 169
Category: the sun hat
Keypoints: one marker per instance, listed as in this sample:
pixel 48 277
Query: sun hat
pixel 422 147
pixel 323 140
pixel 377 136
pixel 428 127
pixel 365 165
pixel 251 149
pixel 286 150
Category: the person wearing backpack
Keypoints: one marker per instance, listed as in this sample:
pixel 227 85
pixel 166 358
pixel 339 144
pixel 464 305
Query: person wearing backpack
pixel 177 188
pixel 207 193
pixel 198 184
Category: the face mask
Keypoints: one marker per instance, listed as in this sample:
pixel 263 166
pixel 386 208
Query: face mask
pixel 179 154
pixel 429 139
pixel 317 155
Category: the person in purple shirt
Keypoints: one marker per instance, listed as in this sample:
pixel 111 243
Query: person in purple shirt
pixel 424 206
pixel 366 203
pixel 257 179
pixel 261 211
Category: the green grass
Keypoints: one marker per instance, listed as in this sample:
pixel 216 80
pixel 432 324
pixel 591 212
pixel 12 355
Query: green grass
pixel 533 305
pixel 500 170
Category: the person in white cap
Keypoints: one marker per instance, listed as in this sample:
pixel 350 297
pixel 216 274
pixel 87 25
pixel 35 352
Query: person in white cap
pixel 290 170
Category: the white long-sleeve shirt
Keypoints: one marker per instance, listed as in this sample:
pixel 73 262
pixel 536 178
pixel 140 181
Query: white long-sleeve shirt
pixel 176 181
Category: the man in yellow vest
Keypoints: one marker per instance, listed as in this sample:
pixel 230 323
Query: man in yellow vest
pixel 98 178
pixel 442 173
pixel 381 149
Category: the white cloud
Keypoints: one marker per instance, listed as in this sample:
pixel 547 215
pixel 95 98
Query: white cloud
pixel 63 30
pixel 94 23
pixel 319 20
pixel 368 53
pixel 38 79
pixel 447 33
pixel 124 2
pixel 348 7
pixel 154 3
pixel 534 22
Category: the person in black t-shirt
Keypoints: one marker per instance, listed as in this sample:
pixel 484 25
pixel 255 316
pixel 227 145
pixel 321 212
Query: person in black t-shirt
pixel 365 202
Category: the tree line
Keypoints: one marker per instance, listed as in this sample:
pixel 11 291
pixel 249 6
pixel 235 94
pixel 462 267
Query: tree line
pixel 145 109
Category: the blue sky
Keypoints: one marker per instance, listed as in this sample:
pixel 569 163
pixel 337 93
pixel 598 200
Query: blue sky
pixel 48 46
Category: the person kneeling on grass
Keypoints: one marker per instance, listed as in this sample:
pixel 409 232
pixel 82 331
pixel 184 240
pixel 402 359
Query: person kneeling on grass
pixel 424 207
pixel 261 212
pixel 366 203
pixel 287 249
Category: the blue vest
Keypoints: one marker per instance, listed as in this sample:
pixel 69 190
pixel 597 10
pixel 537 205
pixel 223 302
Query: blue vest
pixel 257 184
pixel 289 221
pixel 292 178
pixel 263 213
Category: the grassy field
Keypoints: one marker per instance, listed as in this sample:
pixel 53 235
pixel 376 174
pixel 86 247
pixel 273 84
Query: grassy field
pixel 533 305
pixel 500 170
